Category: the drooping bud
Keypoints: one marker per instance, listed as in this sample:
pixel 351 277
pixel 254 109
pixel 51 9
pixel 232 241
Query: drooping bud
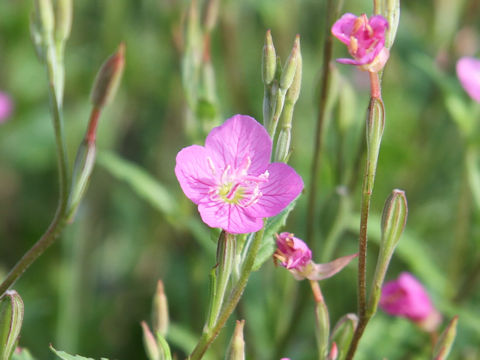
pixel 269 60
pixel 236 349
pixel 63 26
pixel 342 334
pixel 108 78
pixel 149 343
pixel 11 318
pixel 160 318
pixel 394 218
pixel 445 341
pixel 290 68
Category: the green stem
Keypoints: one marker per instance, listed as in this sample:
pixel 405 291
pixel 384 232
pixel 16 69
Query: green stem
pixel 209 336
pixel 58 222
pixel 322 323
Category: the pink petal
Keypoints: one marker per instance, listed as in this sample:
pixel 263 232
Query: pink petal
pixel 468 72
pixel 378 23
pixel 342 29
pixel 349 61
pixel 6 106
pixel 282 187
pixel 229 217
pixel 193 172
pixel 240 137
pixel 324 271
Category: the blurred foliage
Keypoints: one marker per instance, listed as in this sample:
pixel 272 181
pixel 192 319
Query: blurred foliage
pixel 90 291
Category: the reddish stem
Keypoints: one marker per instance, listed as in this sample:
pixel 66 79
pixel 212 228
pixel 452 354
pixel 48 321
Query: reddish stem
pixel 375 85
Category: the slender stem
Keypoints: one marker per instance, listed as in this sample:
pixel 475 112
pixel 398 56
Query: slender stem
pixel 320 126
pixel 58 222
pixel 375 89
pixel 208 337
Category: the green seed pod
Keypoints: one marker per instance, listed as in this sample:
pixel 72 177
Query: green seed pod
pixel 63 26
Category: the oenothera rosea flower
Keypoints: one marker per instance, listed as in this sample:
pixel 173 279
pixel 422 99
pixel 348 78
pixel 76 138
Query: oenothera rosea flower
pixel 293 254
pixel 406 297
pixel 365 40
pixel 232 180
pixel 468 72
pixel 6 106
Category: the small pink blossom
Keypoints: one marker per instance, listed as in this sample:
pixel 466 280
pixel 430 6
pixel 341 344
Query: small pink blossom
pixel 406 297
pixel 365 40
pixel 294 255
pixel 468 72
pixel 232 180
pixel 6 106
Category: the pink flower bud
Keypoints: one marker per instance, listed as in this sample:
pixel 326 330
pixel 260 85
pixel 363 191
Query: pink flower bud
pixel 365 40
pixel 6 107
pixel 406 297
pixel 292 253
pixel 468 72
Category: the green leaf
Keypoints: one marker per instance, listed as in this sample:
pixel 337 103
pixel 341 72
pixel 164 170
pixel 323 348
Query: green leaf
pixel 144 184
pixel 272 226
pixel 11 317
pixel 63 355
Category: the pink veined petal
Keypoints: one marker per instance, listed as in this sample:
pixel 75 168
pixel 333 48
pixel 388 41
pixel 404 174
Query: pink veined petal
pixel 370 56
pixel 342 29
pixel 468 72
pixel 324 271
pixel 193 172
pixel 240 137
pixel 349 61
pixel 282 187
pixel 229 217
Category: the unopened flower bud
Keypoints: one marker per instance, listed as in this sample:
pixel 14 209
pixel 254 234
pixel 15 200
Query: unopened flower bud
pixel 406 297
pixel 160 310
pixel 149 343
pixel 63 26
pixel 108 78
pixel 290 68
pixel 392 14
pixel 282 151
pixel 82 171
pixel 333 354
pixel 269 60
pixel 445 341
pixel 342 334
pixel 11 318
pixel 44 17
pixel 236 349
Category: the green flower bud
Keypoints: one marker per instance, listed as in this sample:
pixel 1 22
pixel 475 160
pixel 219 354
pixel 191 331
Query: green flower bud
pixel 108 78
pixel 236 349
pixel 445 341
pixel 392 14
pixel 375 126
pixel 64 10
pixel 44 17
pixel 269 60
pixel 11 318
pixel 289 70
pixel 160 310
pixel 149 343
pixel 342 334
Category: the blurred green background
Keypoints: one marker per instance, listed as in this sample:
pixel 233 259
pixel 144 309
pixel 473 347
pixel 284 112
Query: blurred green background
pixel 89 292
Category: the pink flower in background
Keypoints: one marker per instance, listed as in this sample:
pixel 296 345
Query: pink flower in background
pixel 232 180
pixel 365 40
pixel 294 255
pixel 6 107
pixel 406 297
pixel 468 72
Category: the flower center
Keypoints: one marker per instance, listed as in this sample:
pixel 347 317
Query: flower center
pixel 236 186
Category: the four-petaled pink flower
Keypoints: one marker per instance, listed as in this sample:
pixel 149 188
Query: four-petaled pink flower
pixel 365 40
pixel 294 255
pixel 468 72
pixel 6 107
pixel 407 298
pixel 232 180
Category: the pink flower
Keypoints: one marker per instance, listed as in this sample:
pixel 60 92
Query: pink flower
pixel 406 297
pixel 6 107
pixel 468 72
pixel 294 255
pixel 232 180
pixel 365 40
